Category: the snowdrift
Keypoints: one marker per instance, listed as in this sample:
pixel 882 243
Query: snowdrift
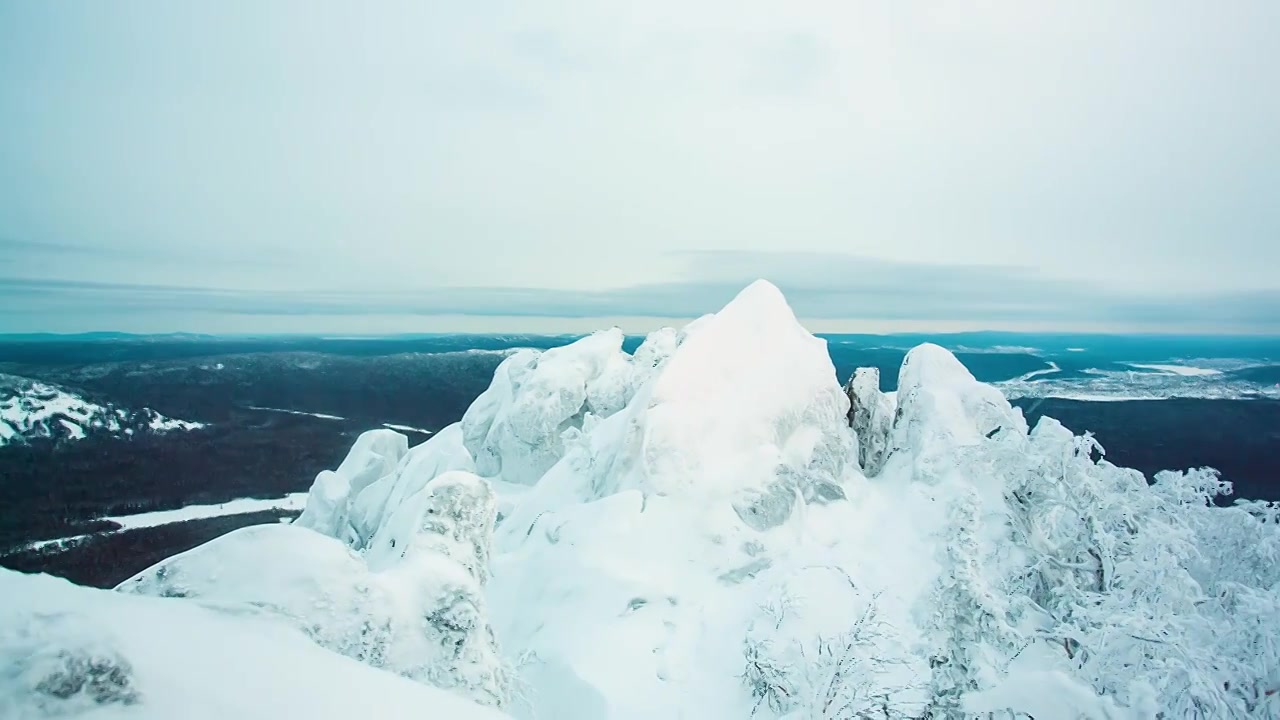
pixel 714 527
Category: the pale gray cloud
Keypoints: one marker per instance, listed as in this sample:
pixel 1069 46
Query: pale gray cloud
pixel 1058 163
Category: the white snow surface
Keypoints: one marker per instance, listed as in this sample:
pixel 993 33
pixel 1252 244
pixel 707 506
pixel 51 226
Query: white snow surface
pixel 687 532
pixel 67 651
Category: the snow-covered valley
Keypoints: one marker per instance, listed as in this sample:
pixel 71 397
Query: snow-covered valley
pixel 707 527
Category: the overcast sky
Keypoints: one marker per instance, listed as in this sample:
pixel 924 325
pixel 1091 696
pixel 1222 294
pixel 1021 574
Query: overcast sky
pixel 941 165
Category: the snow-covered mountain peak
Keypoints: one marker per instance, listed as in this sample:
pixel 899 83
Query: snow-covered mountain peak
pixel 713 528
pixel 30 410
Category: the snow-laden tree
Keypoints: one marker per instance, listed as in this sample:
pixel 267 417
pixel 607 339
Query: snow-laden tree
pixel 1238 568
pixel 969 627
pixel 1109 570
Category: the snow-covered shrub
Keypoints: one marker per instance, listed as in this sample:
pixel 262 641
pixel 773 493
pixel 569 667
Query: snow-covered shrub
pixel 1056 561
pixel 1238 567
pixel 77 680
pixel 1109 564
pixel 969 623
pixel 1114 570
pixel 826 653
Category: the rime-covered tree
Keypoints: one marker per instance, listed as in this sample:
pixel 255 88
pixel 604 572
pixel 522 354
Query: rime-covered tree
pixel 969 628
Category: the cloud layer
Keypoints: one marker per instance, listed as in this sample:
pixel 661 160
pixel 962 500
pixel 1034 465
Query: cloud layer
pixel 820 288
pixel 1058 162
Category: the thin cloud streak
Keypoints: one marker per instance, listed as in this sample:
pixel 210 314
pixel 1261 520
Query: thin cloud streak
pixel 819 287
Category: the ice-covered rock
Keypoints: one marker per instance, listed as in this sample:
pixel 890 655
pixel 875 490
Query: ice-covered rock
pixel 374 506
pixel 374 455
pixel 653 353
pixel 746 410
pixel 73 652
pixel 942 409
pixel 453 515
pixel 513 429
pixel 871 417
pixel 412 604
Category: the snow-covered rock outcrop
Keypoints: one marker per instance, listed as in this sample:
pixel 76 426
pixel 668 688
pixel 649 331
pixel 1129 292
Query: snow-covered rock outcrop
pixel 374 456
pixel 871 417
pixel 650 546
pixel 941 411
pixel 514 429
pixel 404 593
pixel 745 413
pixel 68 651
pixel 31 410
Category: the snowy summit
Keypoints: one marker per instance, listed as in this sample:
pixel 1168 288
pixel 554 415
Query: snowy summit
pixel 713 527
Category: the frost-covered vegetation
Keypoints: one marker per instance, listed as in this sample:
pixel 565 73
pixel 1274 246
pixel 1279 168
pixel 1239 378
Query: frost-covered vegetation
pixel 713 527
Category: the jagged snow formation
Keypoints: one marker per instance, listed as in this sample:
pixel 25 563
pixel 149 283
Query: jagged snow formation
pixel 30 410
pixel 374 455
pixel 68 651
pixel 514 429
pixel 943 413
pixel 401 589
pixel 871 417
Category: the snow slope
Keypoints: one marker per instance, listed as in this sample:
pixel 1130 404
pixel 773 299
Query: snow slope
pixel 714 528
pixel 67 651
pixel 30 409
